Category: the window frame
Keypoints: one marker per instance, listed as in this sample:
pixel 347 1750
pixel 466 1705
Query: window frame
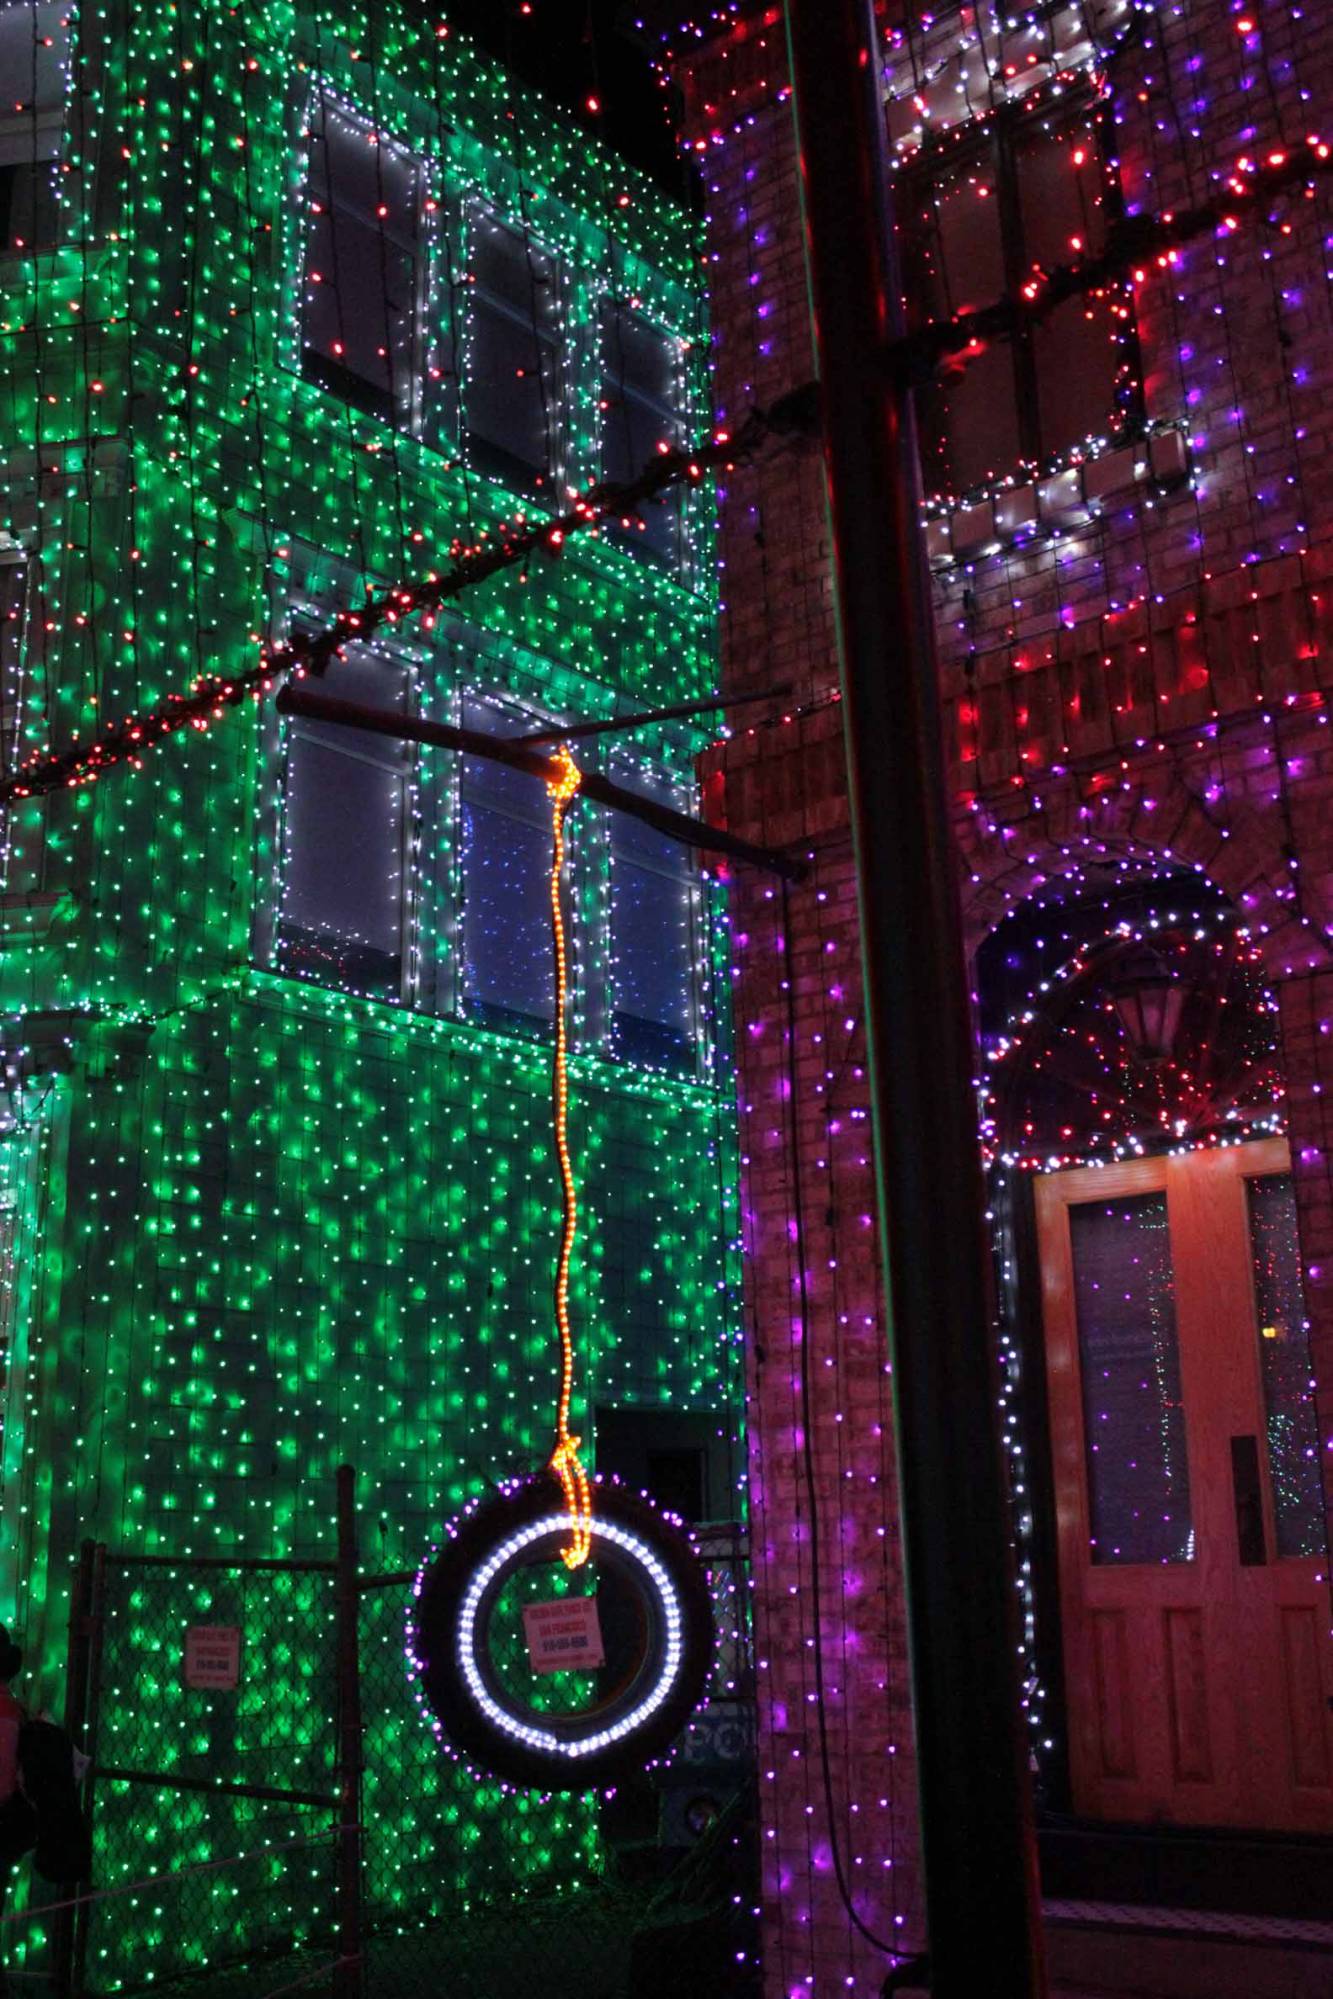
pixel 45 125
pixel 511 701
pixel 681 795
pixel 411 397
pixel 997 141
pixel 608 303
pixel 451 681
pixel 18 585
pixel 269 912
pixel 546 480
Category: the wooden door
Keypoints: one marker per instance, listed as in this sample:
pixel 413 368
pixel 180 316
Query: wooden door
pixel 1191 1536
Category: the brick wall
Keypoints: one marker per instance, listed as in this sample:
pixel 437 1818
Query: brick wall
pixel 1140 682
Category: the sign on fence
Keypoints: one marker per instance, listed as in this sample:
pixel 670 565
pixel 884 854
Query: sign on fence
pixel 563 1634
pixel 212 1655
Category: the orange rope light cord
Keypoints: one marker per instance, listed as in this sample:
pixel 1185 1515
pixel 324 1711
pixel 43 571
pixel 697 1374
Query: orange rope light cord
pixel 562 785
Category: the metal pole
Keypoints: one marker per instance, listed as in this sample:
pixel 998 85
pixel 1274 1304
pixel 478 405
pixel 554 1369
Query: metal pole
pixel 175 1780
pixel 309 702
pixel 347 1978
pixel 577 732
pixel 978 1846
pixel 96 1621
pixel 76 1704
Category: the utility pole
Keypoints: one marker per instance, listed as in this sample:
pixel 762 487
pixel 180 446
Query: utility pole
pixel 977 1838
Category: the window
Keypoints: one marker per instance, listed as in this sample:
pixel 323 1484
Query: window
pixel 507 979
pixel 366 269
pixel 652 940
pixel 423 878
pixel 13 595
pixel 1028 197
pixel 13 582
pixel 343 917
pixel 34 73
pixel 513 359
pixel 641 403
pixel 8 1283
pixel 12 1149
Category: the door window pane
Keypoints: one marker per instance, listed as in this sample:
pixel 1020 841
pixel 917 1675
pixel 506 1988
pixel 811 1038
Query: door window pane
pixel 1134 1420
pixel 364 267
pixel 344 828
pixel 1284 1364
pixel 508 979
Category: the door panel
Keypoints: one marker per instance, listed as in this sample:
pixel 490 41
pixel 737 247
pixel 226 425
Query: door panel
pixel 1115 1709
pixel 1308 1738
pixel 1186 1480
pixel 1187 1697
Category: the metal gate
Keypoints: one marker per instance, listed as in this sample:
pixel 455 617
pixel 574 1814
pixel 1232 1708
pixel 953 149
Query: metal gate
pixel 218 1699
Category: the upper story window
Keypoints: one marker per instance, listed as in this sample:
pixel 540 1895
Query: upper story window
pixel 364 318
pixel 505 858
pixel 343 913
pixel 513 364
pixel 9 1276
pixel 449 322
pixel 423 878
pixel 13 596
pixel 654 908
pixel 1028 196
pixel 34 79
pixel 642 402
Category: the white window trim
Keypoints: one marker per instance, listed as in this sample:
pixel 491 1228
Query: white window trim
pixel 272 829
pixel 324 98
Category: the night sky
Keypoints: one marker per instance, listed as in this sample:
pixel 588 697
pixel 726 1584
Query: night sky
pixel 574 51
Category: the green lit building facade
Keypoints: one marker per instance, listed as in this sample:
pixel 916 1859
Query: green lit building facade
pixel 292 303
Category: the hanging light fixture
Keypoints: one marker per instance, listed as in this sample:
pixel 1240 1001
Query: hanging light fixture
pixel 1149 999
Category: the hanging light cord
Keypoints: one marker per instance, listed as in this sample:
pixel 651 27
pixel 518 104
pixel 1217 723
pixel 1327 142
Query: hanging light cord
pixel 565 1462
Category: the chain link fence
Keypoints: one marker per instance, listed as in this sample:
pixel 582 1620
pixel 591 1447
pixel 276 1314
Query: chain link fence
pixel 210 1701
pixel 272 1815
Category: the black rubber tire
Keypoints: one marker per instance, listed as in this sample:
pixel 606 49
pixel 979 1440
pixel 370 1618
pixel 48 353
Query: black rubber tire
pixel 452 1703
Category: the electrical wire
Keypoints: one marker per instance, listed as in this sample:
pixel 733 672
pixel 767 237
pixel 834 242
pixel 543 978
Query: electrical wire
pixel 209 697
pixel 807 1444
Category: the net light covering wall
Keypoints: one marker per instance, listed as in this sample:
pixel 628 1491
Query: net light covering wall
pixel 296 1204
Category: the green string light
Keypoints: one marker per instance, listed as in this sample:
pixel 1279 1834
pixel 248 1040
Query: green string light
pixel 276 1225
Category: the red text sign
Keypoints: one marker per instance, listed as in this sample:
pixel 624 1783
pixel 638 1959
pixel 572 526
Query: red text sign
pixel 212 1655
pixel 563 1634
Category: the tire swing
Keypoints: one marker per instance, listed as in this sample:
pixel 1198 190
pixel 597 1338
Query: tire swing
pixel 503 1544
pixel 631 1723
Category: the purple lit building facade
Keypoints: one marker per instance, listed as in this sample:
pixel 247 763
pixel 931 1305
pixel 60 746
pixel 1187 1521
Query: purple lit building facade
pixel 1129 513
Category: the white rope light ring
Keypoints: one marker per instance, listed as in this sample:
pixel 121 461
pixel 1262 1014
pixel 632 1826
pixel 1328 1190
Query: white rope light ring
pixel 450 1621
pixel 603 1532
